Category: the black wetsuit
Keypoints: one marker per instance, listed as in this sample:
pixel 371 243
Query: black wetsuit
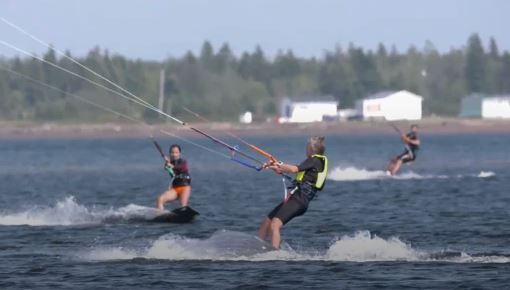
pixel 301 193
pixel 410 152
pixel 181 171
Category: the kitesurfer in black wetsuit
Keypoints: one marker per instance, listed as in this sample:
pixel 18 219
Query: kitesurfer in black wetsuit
pixel 412 144
pixel 310 177
pixel 180 188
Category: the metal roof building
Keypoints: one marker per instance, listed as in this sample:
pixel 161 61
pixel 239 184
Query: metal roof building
pixel 484 106
pixel 391 105
pixel 307 109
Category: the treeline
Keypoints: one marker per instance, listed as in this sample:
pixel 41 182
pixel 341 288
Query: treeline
pixel 220 84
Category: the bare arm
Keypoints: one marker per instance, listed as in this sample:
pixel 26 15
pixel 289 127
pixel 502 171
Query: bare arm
pixel 168 163
pixel 282 167
pixel 415 142
pixel 408 140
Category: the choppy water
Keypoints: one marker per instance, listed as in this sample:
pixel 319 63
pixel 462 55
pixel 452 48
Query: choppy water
pixel 73 214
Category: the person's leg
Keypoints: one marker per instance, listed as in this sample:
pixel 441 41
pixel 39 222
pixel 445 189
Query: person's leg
pixel 276 225
pixel 283 214
pixel 396 167
pixel 166 196
pixel 391 165
pixel 264 228
pixel 184 195
pixel 397 162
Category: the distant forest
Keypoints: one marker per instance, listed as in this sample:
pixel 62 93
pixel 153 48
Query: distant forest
pixel 221 85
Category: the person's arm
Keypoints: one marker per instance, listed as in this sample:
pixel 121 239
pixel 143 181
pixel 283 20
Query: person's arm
pixel 281 167
pixel 408 140
pixel 414 142
pixel 168 167
pixel 168 164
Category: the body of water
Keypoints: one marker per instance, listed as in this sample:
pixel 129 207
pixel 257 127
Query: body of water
pixel 74 215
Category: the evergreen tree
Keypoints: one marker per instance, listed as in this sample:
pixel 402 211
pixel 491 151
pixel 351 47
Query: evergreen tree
pixel 367 79
pixel 505 74
pixel 254 81
pixel 50 73
pixel 224 59
pixel 475 65
pixel 336 78
pixel 259 64
pixel 3 92
pixel 244 66
pixel 207 56
pixel 493 49
pixel 493 69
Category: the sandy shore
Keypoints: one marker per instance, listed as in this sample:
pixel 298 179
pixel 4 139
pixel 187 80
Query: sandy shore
pixel 13 130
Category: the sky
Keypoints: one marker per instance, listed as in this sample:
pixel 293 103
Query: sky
pixel 158 29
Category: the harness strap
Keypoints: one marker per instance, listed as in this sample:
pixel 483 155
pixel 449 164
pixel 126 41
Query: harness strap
pixel 182 176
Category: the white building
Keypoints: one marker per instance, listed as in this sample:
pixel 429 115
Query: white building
pixel 346 114
pixel 401 105
pixel 307 109
pixel 487 107
pixel 246 118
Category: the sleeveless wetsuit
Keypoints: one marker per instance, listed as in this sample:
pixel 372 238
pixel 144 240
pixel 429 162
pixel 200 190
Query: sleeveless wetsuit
pixel 302 192
pixel 410 149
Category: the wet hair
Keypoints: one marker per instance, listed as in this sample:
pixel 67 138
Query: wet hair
pixel 317 144
pixel 175 146
pixel 414 126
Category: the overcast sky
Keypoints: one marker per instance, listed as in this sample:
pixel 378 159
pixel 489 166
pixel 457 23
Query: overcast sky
pixel 157 29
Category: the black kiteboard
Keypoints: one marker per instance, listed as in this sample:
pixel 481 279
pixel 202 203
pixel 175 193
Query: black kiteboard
pixel 179 215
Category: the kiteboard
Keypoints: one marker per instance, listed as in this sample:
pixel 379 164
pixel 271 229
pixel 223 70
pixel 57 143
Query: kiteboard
pixel 179 215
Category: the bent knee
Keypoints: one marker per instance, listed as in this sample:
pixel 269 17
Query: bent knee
pixel 163 196
pixel 275 224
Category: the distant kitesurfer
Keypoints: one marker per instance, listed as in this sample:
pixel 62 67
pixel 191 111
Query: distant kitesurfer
pixel 180 188
pixel 310 177
pixel 412 144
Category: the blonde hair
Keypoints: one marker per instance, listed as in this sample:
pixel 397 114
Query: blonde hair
pixel 316 143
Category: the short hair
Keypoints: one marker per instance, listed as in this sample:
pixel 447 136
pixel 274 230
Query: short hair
pixel 175 146
pixel 414 126
pixel 316 143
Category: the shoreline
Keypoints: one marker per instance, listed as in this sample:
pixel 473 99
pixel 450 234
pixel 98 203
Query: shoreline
pixel 51 130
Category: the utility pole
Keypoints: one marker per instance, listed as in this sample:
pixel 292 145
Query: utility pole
pixel 161 89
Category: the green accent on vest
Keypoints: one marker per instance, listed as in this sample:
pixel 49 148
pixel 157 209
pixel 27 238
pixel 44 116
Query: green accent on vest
pixel 170 171
pixel 321 176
